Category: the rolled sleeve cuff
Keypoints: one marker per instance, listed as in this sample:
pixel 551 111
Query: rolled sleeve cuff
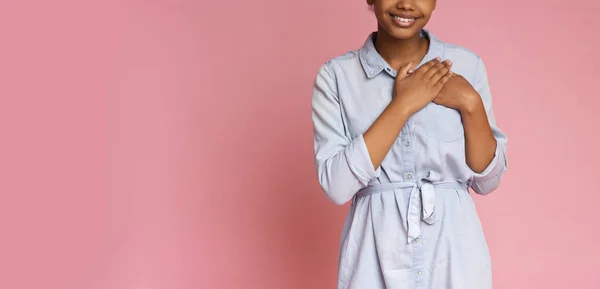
pixel 495 167
pixel 360 162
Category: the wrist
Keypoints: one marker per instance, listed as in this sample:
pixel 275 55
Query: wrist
pixel 400 108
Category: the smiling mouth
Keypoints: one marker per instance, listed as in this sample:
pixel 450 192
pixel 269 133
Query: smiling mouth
pixel 404 19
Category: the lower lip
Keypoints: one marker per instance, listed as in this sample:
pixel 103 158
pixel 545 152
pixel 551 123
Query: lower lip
pixel 404 24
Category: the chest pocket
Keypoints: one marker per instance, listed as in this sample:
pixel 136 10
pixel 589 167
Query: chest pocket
pixel 441 123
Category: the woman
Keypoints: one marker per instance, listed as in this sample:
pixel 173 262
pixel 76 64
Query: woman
pixel 404 146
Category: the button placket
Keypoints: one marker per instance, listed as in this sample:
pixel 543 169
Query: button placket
pixel 409 174
pixel 408 165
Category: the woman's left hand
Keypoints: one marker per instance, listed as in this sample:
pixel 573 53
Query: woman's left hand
pixel 458 94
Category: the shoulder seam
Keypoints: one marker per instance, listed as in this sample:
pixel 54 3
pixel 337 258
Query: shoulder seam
pixel 459 47
pixel 327 67
pixel 476 81
pixel 346 56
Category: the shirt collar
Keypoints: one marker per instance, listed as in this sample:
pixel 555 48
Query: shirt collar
pixel 373 63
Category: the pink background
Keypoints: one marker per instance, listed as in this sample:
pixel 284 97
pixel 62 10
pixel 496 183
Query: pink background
pixel 168 144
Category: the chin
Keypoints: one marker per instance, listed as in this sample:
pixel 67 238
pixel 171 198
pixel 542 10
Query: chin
pixel 403 34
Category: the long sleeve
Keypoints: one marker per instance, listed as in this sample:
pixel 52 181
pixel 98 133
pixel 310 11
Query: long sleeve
pixel 487 181
pixel 343 165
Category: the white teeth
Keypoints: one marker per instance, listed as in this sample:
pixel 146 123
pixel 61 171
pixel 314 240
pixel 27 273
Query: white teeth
pixel 404 19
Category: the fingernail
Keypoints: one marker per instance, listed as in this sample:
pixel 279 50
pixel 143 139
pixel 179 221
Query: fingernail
pixel 448 61
pixel 438 59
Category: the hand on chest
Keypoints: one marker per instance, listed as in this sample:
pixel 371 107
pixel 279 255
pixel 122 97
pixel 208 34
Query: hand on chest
pixel 363 106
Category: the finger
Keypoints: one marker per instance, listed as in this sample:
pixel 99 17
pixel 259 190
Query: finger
pixel 441 72
pixel 429 65
pixel 431 73
pixel 443 81
pixel 403 71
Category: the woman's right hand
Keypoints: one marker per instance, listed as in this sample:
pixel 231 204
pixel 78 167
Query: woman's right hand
pixel 413 90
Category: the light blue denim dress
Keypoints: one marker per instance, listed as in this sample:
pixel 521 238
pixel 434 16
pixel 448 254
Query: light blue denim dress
pixel 412 223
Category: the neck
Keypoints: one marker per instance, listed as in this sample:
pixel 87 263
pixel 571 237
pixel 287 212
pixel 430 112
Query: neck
pixel 399 52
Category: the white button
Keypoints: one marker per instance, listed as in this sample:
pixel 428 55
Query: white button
pixel 409 176
pixel 407 144
pixel 418 240
pixel 420 272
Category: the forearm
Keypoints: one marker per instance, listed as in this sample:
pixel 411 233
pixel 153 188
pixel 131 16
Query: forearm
pixel 382 134
pixel 480 143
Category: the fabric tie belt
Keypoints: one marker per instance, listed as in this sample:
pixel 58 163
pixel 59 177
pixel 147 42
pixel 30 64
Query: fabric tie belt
pixel 421 204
